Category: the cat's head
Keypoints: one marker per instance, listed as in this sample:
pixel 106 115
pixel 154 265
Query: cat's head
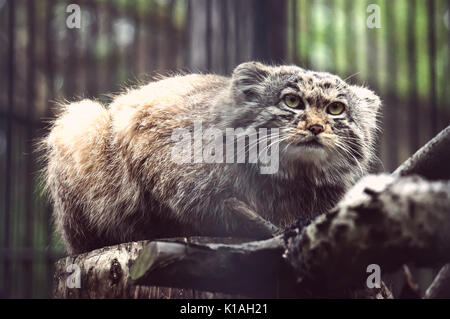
pixel 324 122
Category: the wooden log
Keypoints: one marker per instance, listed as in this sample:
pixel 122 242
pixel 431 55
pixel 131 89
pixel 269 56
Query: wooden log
pixel 105 273
pixel 254 269
pixel 383 221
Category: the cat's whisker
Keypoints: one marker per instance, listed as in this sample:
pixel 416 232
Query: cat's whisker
pixel 354 141
pixel 341 146
pixel 273 143
pixel 279 140
pixel 351 76
pixel 249 147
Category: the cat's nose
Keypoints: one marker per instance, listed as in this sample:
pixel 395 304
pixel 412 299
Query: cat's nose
pixel 316 128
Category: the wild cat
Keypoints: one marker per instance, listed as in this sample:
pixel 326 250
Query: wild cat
pixel 112 178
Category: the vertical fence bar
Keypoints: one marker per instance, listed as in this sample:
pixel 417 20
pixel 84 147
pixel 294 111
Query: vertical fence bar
pixel 390 117
pixel 187 36
pixel 135 57
pixel 27 265
pixel 8 180
pixel 237 31
pixel 432 64
pixel 261 30
pixel 372 66
pixel 71 74
pixel 157 52
pixel 331 37
pixel 231 42
pixel 122 66
pixel 316 60
pixel 91 52
pixel 447 76
pixel 372 51
pixel 277 40
pixel 171 33
pixel 412 76
pixel 113 56
pixel 208 47
pixel 349 39
pixel 50 73
pixel 294 31
pixel 198 35
pixel 300 36
pixel 307 32
pixel 269 41
pixel 153 45
pixel 224 20
pixel 50 55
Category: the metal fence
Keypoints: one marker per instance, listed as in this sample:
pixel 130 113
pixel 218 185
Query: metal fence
pixel 123 43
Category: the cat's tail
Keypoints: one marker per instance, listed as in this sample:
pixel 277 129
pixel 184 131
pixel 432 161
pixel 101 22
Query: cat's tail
pixel 78 124
pixel 74 158
pixel 74 135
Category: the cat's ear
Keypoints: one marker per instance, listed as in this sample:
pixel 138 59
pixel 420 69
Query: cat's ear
pixel 367 98
pixel 248 77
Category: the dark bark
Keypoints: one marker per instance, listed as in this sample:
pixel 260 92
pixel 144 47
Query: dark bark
pixel 105 273
pixel 411 289
pixel 432 161
pixel 403 221
pixel 440 288
pixel 253 269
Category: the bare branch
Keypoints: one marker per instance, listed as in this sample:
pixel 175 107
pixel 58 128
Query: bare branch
pixel 398 221
pixel 253 269
pixel 440 288
pixel 260 226
pixel 411 289
pixel 431 161
pixel 105 272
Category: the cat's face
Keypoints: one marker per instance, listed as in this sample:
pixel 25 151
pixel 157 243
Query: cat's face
pixel 323 121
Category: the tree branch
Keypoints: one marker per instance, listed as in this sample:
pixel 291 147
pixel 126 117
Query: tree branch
pixel 105 272
pixel 253 269
pixel 260 226
pixel 440 287
pixel 430 161
pixel 382 221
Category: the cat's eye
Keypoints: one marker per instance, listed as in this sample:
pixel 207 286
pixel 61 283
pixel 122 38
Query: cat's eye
pixel 293 101
pixel 336 108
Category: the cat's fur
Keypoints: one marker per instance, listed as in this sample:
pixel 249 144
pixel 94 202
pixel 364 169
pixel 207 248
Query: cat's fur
pixel 111 177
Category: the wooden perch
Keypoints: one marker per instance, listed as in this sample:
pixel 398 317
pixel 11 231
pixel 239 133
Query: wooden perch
pixel 105 272
pixel 403 220
pixel 387 220
pixel 250 268
pixel 432 161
